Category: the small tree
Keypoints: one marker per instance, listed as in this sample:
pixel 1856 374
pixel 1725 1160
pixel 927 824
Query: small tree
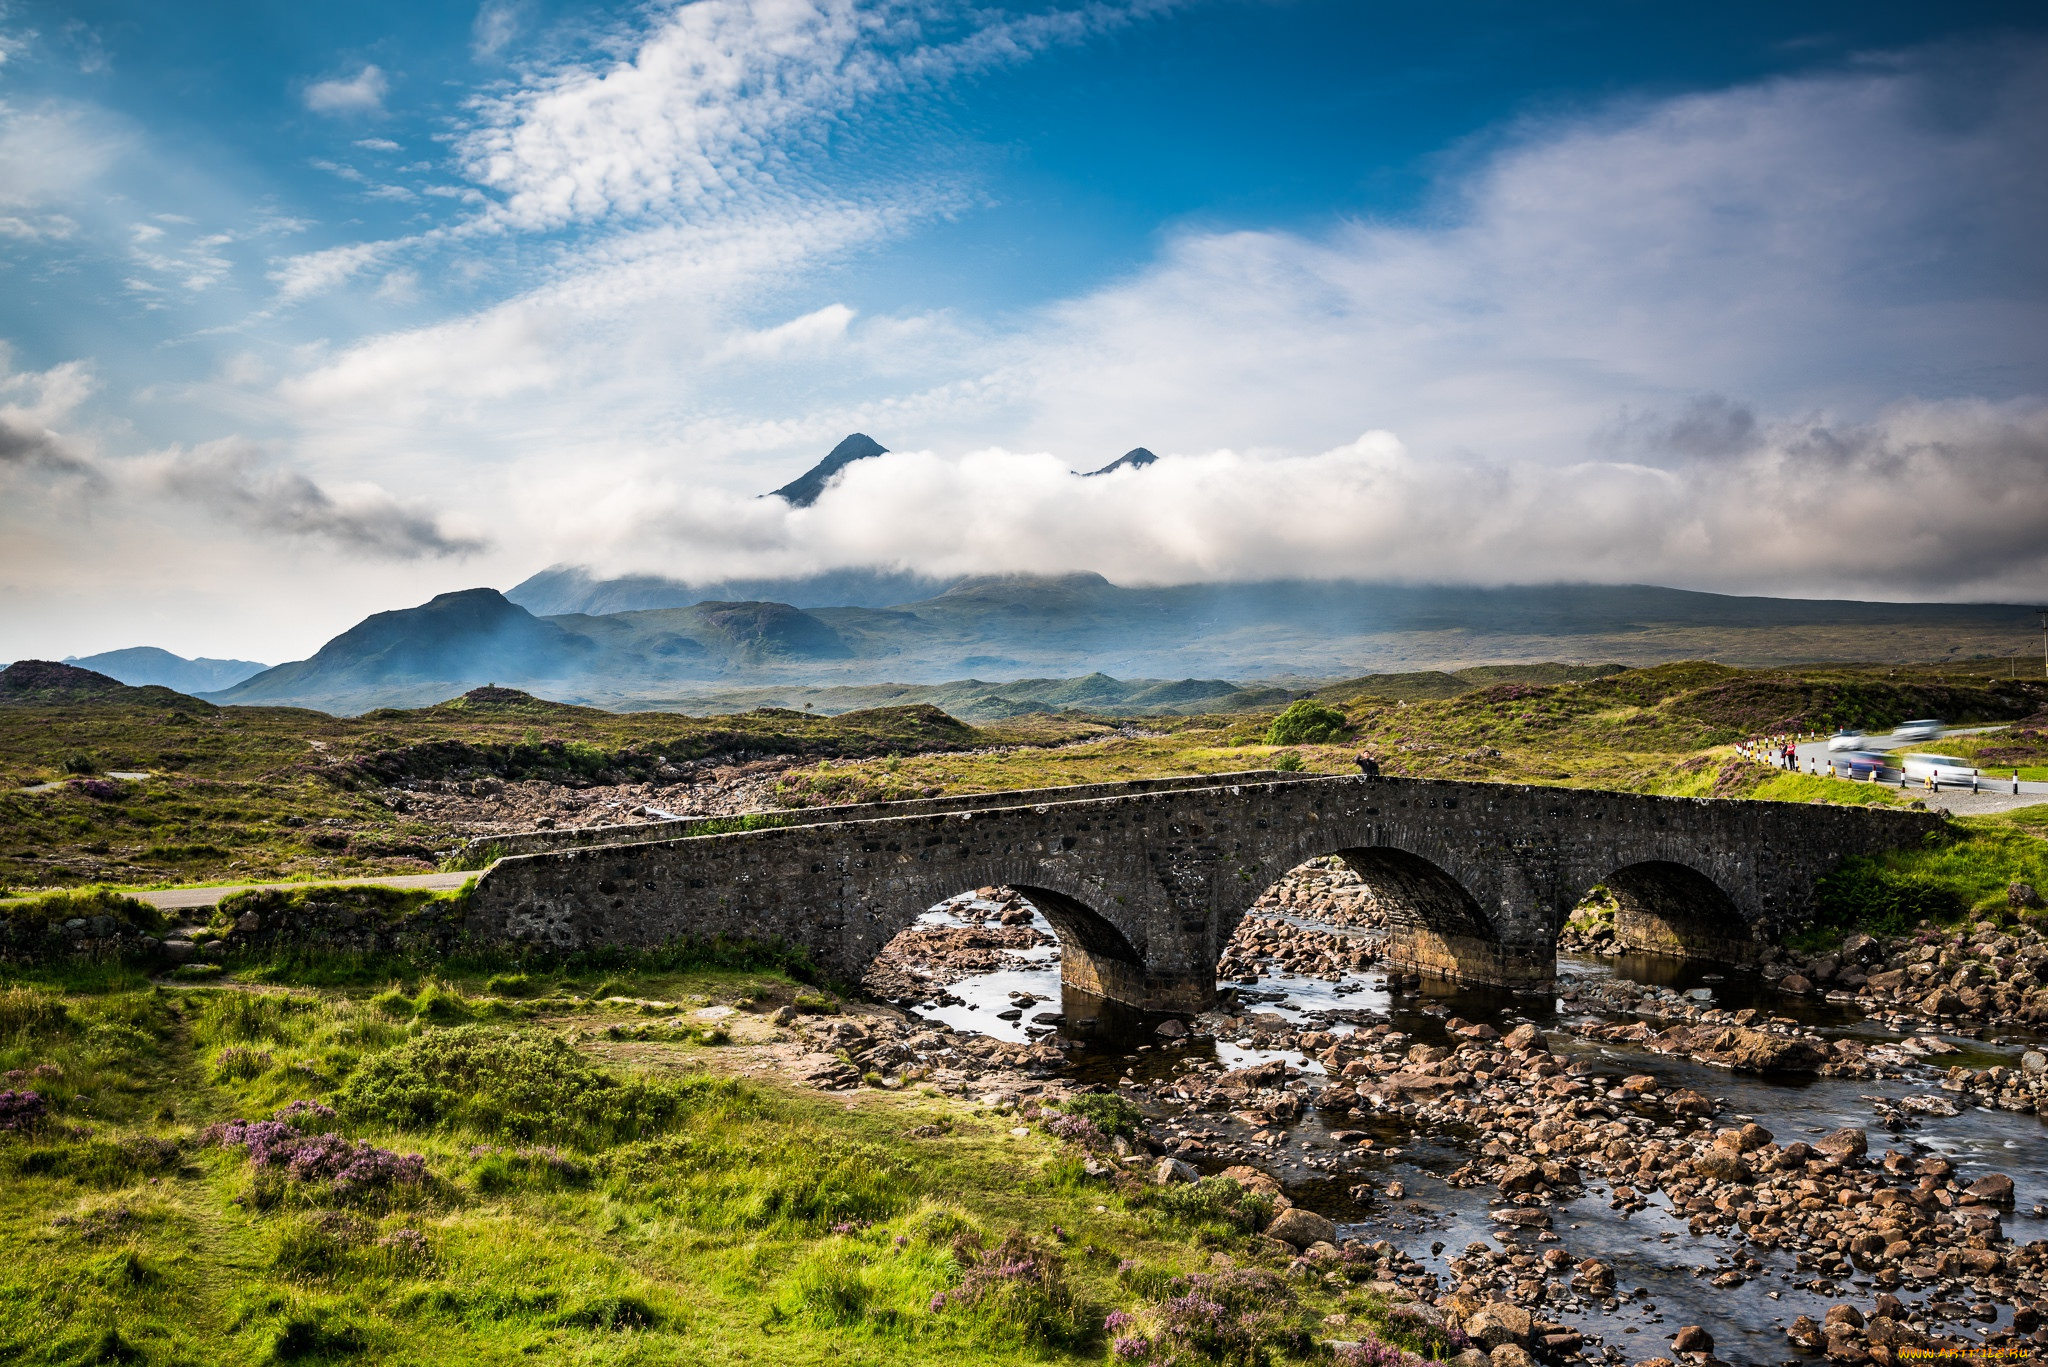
pixel 1307 722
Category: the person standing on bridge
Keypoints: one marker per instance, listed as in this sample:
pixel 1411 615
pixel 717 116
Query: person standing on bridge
pixel 1367 765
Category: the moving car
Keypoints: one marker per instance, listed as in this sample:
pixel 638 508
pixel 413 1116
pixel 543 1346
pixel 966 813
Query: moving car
pixel 1943 769
pixel 1846 739
pixel 1926 728
pixel 1859 764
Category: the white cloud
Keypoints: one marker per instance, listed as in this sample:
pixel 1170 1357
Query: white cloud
pixel 1954 494
pixel 311 273
pixel 717 104
pixel 811 335
pixel 378 145
pixel 497 23
pixel 362 93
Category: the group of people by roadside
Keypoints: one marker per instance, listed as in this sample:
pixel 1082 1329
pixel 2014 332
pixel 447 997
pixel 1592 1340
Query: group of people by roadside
pixel 1782 751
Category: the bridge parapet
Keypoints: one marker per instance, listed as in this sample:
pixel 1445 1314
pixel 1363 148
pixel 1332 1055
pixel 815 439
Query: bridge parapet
pixel 1145 886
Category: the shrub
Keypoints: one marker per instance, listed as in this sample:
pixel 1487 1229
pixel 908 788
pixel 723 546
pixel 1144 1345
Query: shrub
pixel 346 1171
pixel 1110 1113
pixel 1307 722
pixel 510 985
pixel 22 1110
pixel 1289 763
pixel 1019 1288
pixel 525 1169
pixel 1239 1318
pixel 1214 1202
pixel 526 1085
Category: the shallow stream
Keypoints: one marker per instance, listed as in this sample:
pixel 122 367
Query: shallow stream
pixel 1663 1271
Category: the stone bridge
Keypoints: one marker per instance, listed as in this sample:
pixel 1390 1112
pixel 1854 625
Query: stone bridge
pixel 1145 881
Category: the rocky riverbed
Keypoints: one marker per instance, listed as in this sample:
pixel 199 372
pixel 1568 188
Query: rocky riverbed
pixel 1701 1166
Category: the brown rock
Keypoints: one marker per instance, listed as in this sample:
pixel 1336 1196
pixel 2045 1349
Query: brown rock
pixel 1719 1165
pixel 1686 1101
pixel 1844 1314
pixel 1593 1275
pixel 1995 1188
pixel 1301 1228
pixel 1525 1037
pixel 1498 1322
pixel 1805 1333
pixel 1692 1339
pixel 1511 1355
pixel 1794 983
pixel 1846 1144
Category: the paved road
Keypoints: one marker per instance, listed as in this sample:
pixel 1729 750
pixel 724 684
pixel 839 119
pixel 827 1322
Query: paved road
pixel 1994 794
pixel 190 899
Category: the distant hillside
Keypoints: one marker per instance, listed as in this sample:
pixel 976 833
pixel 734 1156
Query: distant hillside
pixel 1074 626
pixel 566 588
pixel 47 683
pixel 141 665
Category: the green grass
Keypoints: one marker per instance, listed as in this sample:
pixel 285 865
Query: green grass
pixel 260 793
pixel 1952 876
pixel 579 1202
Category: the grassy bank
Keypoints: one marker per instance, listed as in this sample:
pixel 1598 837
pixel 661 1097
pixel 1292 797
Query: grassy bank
pixel 434 1171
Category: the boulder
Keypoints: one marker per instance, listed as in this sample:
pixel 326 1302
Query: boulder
pixel 1252 1180
pixel 1168 1171
pixel 1692 1339
pixel 1525 1037
pixel 1719 1165
pixel 1301 1228
pixel 1498 1322
pixel 1996 1189
pixel 1796 984
pixel 1511 1355
pixel 1171 1029
pixel 2022 895
pixel 1686 1101
pixel 1593 1275
pixel 1847 1144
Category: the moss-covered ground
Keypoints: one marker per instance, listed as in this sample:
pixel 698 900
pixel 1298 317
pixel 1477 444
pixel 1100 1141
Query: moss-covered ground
pixel 583 1195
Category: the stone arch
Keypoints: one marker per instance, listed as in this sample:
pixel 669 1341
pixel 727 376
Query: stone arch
pixel 1096 958
pixel 1436 927
pixel 1664 907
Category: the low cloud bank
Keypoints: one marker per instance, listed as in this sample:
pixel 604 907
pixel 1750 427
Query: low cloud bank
pixel 1943 500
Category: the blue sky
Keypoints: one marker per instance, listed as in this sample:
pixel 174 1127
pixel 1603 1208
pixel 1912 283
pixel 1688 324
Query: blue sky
pixel 315 310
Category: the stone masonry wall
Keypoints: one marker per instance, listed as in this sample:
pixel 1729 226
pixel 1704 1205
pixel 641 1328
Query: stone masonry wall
pixel 1146 887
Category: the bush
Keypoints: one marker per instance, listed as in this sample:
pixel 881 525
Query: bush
pixel 526 1085
pixel 510 985
pixel 1307 722
pixel 1019 1289
pixel 1216 1203
pixel 1110 1112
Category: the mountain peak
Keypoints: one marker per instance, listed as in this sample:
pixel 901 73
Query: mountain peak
pixel 1137 458
pixel 803 491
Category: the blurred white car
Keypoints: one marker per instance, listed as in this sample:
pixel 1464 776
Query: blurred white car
pixel 1940 768
pixel 1926 728
pixel 1846 740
